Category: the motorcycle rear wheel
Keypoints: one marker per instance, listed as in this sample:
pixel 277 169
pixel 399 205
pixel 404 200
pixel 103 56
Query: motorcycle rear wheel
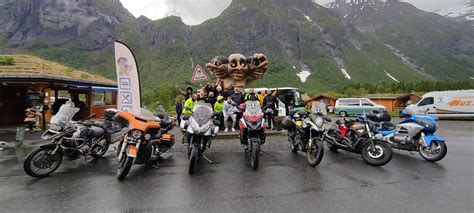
pixel 440 151
pixel 124 167
pixel 193 160
pixel 104 147
pixel 378 157
pixel 38 158
pixel 315 153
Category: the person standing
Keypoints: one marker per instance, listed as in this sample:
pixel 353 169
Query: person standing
pixel 219 91
pixel 179 109
pixel 211 98
pixel 187 94
pixel 229 92
pixel 189 105
pixel 270 102
pixel 218 108
pixel 260 96
pixel 229 112
pixel 237 97
pixel 251 96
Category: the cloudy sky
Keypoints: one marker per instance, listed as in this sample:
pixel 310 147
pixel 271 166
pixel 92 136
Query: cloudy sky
pixel 196 11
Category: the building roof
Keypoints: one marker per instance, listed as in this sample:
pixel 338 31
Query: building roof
pixel 34 69
pixel 394 97
pixel 322 95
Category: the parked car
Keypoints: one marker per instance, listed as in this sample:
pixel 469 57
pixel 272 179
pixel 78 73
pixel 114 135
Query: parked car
pixel 356 106
pixel 456 103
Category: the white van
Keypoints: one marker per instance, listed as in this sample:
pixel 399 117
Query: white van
pixel 456 103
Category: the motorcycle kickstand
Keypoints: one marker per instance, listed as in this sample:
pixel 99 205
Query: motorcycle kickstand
pixel 208 160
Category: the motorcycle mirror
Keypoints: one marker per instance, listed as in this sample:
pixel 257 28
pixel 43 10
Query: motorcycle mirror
pixel 327 119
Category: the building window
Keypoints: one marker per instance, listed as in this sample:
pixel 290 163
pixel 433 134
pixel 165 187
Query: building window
pixel 103 98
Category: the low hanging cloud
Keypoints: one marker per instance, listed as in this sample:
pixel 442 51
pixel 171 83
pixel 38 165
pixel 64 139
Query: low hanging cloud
pixel 191 11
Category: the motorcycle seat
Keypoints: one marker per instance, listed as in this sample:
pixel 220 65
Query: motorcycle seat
pixel 95 131
pixel 385 125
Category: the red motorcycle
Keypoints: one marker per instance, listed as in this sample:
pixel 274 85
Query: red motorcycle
pixel 252 131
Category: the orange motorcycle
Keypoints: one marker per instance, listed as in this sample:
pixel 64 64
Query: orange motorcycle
pixel 146 139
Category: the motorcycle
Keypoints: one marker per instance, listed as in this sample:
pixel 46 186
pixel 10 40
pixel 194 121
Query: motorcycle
pixel 201 128
pixel 146 139
pixel 305 133
pixel 70 140
pixel 358 137
pixel 268 115
pixel 415 133
pixel 252 131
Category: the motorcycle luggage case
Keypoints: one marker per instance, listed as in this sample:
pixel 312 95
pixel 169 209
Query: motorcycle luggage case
pixel 109 114
pixel 379 116
pixel 167 140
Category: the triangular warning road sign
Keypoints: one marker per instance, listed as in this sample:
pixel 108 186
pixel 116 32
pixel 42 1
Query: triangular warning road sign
pixel 199 74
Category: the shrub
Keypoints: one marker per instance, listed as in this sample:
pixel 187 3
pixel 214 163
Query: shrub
pixel 6 60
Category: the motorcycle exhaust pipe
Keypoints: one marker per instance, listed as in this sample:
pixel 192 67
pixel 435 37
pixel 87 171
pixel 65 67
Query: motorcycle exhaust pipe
pixel 334 140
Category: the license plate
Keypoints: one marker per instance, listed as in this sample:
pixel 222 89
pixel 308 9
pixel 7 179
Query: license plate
pixel 299 123
pixel 132 151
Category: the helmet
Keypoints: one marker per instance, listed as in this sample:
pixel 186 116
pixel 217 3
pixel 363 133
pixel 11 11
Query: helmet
pixel 219 98
pixel 288 123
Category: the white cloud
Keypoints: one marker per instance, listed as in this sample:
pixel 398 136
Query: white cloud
pixel 191 11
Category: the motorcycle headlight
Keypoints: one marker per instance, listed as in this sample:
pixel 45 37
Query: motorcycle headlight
pixel 136 134
pixel 147 136
pixel 319 122
pixel 194 125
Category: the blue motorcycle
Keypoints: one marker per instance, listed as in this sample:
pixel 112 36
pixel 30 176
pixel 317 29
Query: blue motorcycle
pixel 416 133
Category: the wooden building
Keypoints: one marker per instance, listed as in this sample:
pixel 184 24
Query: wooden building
pixel 31 81
pixel 396 103
pixel 329 100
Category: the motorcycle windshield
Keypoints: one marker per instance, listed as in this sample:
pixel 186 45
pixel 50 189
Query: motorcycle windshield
pixel 202 113
pixel 252 108
pixel 147 114
pixel 64 116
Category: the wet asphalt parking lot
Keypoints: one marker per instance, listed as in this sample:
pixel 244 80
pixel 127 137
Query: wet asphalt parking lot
pixel 283 182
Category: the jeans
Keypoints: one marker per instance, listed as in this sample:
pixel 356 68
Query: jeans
pixel 226 118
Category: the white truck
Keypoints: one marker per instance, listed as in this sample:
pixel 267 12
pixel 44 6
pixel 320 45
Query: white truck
pixel 445 104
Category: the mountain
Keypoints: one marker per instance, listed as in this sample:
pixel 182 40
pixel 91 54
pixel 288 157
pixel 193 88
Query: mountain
pixel 460 11
pixel 428 42
pixel 336 46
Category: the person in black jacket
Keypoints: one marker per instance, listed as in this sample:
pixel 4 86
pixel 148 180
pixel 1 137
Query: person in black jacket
pixel 270 102
pixel 237 97
pixel 251 96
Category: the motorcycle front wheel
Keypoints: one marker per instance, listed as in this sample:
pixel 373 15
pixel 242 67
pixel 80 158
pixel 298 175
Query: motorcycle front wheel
pixel 254 155
pixel 124 167
pixel 41 162
pixel 437 151
pixel 193 160
pixel 380 155
pixel 315 153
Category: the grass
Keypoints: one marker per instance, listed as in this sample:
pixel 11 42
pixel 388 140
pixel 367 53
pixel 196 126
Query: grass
pixel 32 65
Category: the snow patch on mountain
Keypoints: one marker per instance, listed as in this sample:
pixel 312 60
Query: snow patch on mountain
pixel 390 76
pixel 304 74
pixel 346 74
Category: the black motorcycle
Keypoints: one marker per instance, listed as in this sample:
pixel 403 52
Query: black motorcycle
pixel 71 140
pixel 357 136
pixel 305 133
